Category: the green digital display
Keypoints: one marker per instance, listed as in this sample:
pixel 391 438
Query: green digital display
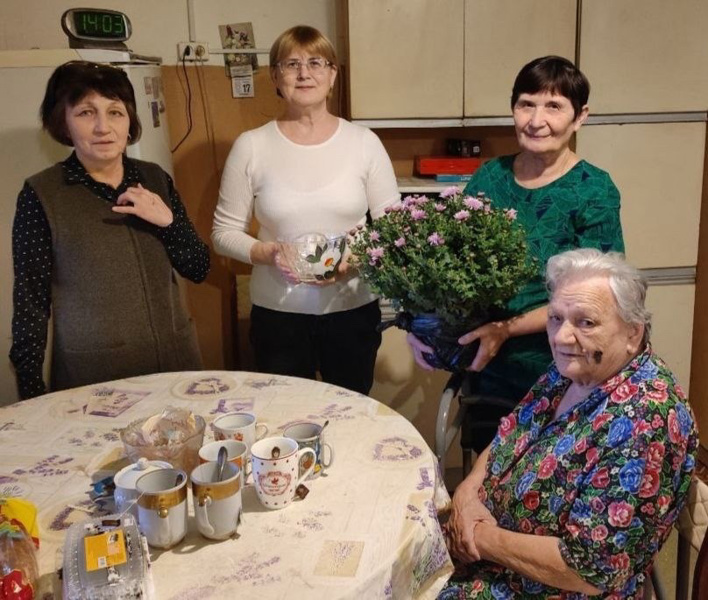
pixel 96 25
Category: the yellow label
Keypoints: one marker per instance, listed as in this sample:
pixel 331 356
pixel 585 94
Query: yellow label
pixel 105 550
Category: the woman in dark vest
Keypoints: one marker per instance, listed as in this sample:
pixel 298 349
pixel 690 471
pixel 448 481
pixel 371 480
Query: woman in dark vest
pixel 96 240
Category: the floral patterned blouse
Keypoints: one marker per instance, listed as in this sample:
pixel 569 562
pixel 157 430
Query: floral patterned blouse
pixel 608 477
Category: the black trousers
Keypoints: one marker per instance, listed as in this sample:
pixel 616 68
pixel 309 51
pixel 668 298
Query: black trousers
pixel 342 346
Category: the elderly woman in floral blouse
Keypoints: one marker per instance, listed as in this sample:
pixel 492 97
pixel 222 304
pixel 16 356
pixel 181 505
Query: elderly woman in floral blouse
pixel 580 487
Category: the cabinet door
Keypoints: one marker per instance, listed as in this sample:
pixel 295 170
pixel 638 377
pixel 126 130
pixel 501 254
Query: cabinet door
pixel 501 36
pixel 645 55
pixel 658 169
pixel 405 58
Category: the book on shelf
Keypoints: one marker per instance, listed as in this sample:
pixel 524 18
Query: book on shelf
pixel 446 178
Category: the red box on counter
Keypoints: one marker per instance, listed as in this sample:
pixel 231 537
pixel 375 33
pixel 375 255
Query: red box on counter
pixel 446 165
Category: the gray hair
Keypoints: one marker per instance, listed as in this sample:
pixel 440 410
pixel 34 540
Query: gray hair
pixel 628 285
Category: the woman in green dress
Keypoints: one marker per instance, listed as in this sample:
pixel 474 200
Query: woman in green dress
pixel 563 202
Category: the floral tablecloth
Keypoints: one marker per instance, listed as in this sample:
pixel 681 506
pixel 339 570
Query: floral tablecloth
pixel 367 529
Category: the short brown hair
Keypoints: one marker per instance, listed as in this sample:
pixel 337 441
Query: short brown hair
pixel 302 36
pixel 556 75
pixel 73 81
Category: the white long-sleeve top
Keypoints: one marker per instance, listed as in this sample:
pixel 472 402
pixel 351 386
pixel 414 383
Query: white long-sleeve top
pixel 294 189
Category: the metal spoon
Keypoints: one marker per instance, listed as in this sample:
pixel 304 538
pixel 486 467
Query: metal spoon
pixel 220 463
pixel 323 426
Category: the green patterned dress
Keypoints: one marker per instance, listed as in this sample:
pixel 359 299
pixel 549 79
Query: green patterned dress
pixel 581 209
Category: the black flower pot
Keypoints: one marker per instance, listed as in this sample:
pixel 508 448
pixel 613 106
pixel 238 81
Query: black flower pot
pixel 439 335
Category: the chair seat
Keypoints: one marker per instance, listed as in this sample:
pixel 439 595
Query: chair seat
pixel 693 520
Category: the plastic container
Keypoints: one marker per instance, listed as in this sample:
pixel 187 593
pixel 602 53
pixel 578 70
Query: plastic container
pixel 106 558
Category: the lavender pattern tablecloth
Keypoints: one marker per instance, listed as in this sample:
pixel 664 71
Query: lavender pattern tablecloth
pixel 367 529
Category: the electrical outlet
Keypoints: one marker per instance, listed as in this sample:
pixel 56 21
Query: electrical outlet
pixel 193 51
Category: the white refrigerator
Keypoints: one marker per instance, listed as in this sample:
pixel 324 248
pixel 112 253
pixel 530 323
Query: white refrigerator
pixel 27 149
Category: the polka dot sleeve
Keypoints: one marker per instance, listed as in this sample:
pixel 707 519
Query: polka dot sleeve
pixel 188 254
pixel 32 260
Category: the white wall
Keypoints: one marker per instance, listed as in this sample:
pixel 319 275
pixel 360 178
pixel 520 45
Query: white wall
pixel 158 25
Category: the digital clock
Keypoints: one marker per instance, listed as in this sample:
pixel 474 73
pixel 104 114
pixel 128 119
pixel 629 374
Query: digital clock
pixel 95 27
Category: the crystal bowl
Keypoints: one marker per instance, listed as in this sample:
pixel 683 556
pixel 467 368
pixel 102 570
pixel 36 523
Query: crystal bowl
pixel 314 256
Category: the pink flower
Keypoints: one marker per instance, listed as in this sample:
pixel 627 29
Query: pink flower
pixel 487 209
pixel 531 500
pixel 624 392
pixel 420 200
pixel 640 427
pixel 663 502
pixel 650 483
pixel 620 514
pixel 409 201
pixel 547 466
pixel 620 562
pixel 374 236
pixel 473 203
pixel 510 213
pixel 450 191
pixel 599 533
pixel 659 396
pixel 401 241
pixel 507 425
pixel 597 504
pixel 674 429
pixel 374 255
pixel 440 207
pixel 417 214
pixel 435 239
pixel 462 215
pixel 601 478
pixel 657 422
pixel 655 454
pixel 600 420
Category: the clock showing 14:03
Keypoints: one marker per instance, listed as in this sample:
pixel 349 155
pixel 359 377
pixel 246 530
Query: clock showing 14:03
pixel 96 28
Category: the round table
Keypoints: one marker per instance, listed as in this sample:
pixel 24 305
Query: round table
pixel 367 528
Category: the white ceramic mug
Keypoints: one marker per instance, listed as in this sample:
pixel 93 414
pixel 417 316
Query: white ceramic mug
pixel 276 475
pixel 125 495
pixel 236 453
pixel 162 506
pixel 217 504
pixel 239 426
pixel 310 435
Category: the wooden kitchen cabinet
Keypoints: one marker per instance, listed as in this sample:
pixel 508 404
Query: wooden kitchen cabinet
pixel 501 36
pixel 422 59
pixel 405 58
pixel 658 168
pixel 645 56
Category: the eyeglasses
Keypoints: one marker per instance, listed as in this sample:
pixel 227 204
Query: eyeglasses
pixel 292 66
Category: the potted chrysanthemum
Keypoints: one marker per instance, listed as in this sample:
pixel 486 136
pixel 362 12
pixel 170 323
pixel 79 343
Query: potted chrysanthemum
pixel 448 265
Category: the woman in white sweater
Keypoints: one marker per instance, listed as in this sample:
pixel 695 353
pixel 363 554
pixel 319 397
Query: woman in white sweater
pixel 308 171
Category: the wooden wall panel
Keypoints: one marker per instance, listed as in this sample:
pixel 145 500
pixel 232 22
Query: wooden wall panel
pixel 217 120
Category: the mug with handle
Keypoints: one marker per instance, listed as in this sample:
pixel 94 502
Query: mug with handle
pixel 217 504
pixel 162 506
pixel 310 435
pixel 276 470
